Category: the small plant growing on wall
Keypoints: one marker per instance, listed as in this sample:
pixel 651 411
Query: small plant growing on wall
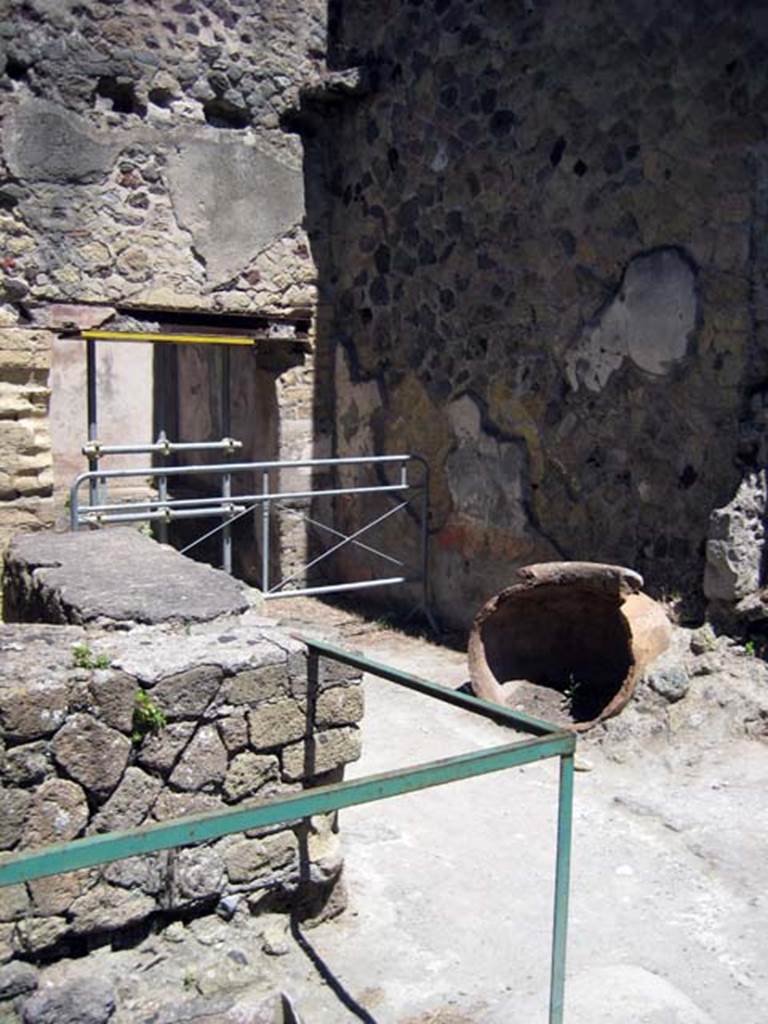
pixel 84 657
pixel 147 718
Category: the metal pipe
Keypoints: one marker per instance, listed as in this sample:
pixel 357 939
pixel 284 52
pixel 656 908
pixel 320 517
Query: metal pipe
pixel 425 545
pixel 174 339
pixel 109 846
pixel 341 544
pixel 265 534
pixel 92 415
pixel 160 515
pixel 167 447
pixel 562 882
pixel 226 533
pixel 335 587
pixel 486 708
pixel 162 494
pixel 278 495
pixel 338 533
pixel 243 467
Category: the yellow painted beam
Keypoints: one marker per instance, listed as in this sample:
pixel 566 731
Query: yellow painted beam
pixel 174 339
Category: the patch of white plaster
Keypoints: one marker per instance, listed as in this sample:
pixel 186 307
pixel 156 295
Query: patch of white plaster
pixel 649 321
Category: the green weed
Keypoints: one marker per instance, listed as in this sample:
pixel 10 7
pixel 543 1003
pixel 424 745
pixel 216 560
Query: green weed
pixel 84 657
pixel 147 717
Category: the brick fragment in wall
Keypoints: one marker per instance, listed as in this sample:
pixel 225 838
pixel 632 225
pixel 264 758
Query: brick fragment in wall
pixel 22 349
pixel 322 753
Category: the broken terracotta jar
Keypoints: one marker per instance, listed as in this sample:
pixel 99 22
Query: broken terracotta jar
pixel 567 642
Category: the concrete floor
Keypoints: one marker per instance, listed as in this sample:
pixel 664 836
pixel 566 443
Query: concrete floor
pixel 450 890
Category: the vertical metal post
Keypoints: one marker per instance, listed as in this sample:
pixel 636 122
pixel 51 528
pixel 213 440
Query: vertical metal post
pixel 162 493
pixel 562 882
pixel 226 533
pixel 92 415
pixel 265 533
pixel 226 397
pixel 226 431
pixel 425 543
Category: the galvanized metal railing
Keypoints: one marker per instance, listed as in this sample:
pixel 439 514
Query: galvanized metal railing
pixel 230 506
pixel 546 741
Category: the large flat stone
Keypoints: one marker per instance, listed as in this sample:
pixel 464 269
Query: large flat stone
pixel 111 576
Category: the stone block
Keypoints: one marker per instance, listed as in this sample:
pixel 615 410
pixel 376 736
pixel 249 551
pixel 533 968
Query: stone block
pixel 180 805
pixel 187 694
pixel 341 705
pixel 16 979
pixel 148 873
pixel 114 698
pixel 234 732
pixel 106 907
pixel 158 751
pixel 274 725
pixel 92 753
pixel 203 763
pixel 59 811
pixel 32 710
pixel 25 349
pixel 129 804
pixel 14 902
pixel 55 894
pixel 16 804
pixel 252 686
pixel 198 873
pixel 88 1000
pixel 34 934
pixel 245 859
pixel 27 764
pixel 248 773
pixel 324 752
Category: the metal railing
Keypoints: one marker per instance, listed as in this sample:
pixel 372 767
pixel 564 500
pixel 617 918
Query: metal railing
pixel 230 506
pixel 546 741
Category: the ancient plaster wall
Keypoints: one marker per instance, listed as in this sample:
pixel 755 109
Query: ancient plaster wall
pixel 144 166
pixel 547 273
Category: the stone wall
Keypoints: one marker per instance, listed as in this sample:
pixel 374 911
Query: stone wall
pixel 144 165
pixel 247 715
pixel 26 482
pixel 546 262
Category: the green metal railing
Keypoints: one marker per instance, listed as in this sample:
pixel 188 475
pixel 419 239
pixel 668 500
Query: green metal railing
pixel 547 741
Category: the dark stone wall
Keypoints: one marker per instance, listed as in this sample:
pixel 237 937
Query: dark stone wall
pixel 545 265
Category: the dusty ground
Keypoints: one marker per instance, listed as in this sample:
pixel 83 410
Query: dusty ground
pixel 450 890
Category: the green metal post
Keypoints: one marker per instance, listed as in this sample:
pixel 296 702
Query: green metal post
pixel 562 882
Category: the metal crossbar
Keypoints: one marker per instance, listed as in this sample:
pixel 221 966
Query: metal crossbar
pixel 547 741
pixel 228 507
